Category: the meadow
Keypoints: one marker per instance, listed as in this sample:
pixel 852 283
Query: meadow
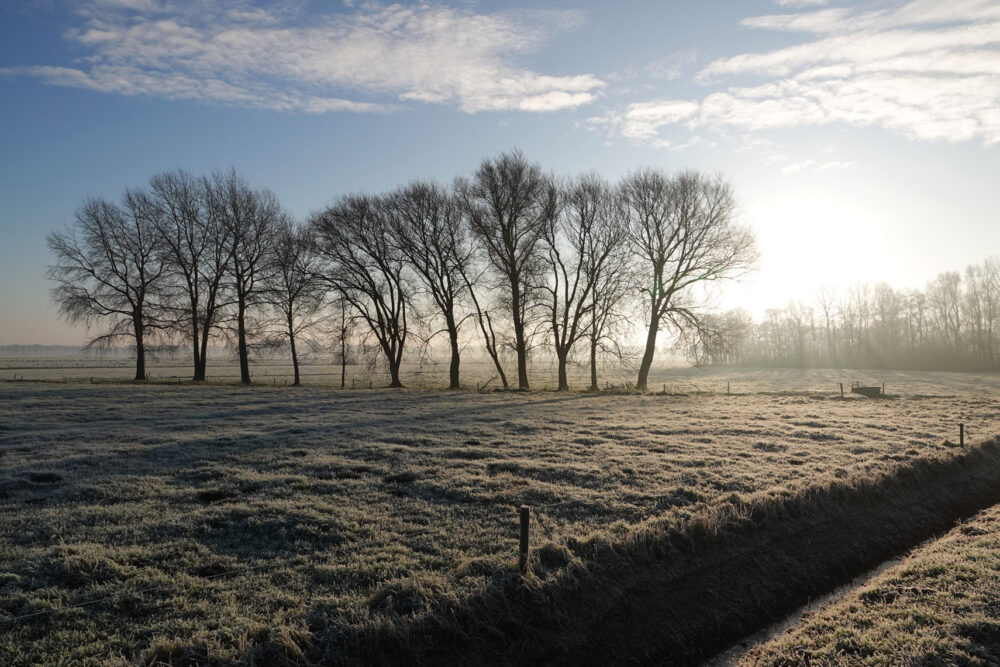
pixel 938 606
pixel 219 524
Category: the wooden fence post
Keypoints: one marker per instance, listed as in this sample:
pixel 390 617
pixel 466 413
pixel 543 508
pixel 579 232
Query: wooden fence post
pixel 961 435
pixel 841 389
pixel 522 563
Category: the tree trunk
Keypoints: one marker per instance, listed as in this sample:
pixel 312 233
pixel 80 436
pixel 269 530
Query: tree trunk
pixel 563 381
pixel 519 343
pixel 343 361
pixel 395 382
pixel 593 363
pixel 503 376
pixel 241 333
pixel 453 370
pixel 140 349
pixel 203 361
pixel 394 357
pixel 522 361
pixel 492 351
pixel 647 356
pixel 200 373
pixel 198 365
pixel 295 357
pixel 206 328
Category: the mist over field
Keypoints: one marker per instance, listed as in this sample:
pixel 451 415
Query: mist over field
pixel 499 333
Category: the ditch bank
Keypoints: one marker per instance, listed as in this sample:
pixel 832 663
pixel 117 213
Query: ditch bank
pixel 679 591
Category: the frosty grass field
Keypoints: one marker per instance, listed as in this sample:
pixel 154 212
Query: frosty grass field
pixel 221 517
pixel 939 606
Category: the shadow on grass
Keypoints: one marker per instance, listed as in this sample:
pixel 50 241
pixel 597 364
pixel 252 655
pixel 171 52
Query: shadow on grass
pixel 676 593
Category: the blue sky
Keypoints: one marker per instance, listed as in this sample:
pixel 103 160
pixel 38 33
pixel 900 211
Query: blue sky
pixel 862 138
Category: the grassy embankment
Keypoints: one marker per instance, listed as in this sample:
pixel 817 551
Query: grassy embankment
pixel 229 524
pixel 940 606
pixel 676 592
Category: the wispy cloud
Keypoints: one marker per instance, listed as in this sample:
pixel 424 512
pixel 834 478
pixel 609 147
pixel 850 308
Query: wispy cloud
pixel 672 66
pixel 801 3
pixel 925 70
pixel 367 59
pixel 642 121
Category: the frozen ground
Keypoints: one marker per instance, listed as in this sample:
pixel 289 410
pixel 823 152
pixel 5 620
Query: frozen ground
pixel 936 607
pixel 320 371
pixel 155 499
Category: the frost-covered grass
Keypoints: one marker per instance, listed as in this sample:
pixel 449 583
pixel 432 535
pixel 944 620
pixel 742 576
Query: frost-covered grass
pixel 227 521
pixel 938 607
pixel 319 370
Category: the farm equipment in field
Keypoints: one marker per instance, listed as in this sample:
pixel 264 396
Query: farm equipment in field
pixel 871 392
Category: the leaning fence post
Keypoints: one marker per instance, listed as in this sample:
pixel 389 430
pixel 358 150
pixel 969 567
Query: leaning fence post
pixel 841 389
pixel 522 563
pixel 961 435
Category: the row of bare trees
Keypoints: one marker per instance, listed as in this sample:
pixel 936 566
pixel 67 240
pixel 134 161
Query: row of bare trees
pixel 511 257
pixel 952 324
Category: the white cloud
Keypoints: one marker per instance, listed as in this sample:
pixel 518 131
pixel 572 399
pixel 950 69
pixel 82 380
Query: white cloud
pixel 923 13
pixel 924 70
pixel 672 66
pixel 236 54
pixel 642 121
pixel 868 48
pixel 135 5
pixel 801 3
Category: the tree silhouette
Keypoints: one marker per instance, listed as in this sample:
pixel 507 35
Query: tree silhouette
pixel 110 269
pixel 682 229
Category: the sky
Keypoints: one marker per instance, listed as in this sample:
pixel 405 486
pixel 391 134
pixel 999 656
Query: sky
pixel 862 138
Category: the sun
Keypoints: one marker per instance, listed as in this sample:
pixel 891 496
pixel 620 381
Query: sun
pixel 807 242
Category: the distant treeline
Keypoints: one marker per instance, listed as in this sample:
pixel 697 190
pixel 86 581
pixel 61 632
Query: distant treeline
pixel 952 324
pixel 510 259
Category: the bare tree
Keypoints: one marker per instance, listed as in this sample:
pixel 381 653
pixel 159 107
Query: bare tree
pixel 580 243
pixel 249 218
pixel 827 298
pixel 198 255
pixel 682 229
pixel 717 340
pixel 367 269
pixel 293 285
pixel 428 228
pixel 110 269
pixel 950 326
pixel 987 291
pixel 342 330
pixel 611 272
pixel 944 299
pixel 472 277
pixel 509 203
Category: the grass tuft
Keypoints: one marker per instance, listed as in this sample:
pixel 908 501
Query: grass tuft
pixel 44 477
